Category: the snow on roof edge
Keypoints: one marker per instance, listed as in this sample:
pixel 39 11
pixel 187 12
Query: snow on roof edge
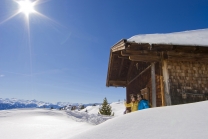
pixel 192 38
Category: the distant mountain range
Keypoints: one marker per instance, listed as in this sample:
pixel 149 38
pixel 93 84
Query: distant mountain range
pixel 20 103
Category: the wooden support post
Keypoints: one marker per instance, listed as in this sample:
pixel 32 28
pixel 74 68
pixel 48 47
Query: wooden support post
pixel 153 84
pixel 162 91
pixel 166 83
pixel 127 95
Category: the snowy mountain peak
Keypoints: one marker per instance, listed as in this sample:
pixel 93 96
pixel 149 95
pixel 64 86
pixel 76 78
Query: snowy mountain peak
pixel 21 103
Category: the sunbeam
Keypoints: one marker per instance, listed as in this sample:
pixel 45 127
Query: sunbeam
pixel 28 9
pixel 47 18
pixel 12 16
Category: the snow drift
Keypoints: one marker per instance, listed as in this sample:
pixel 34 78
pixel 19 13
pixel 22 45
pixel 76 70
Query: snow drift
pixel 38 124
pixel 171 122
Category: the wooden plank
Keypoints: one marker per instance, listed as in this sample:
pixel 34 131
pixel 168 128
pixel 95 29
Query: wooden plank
pixel 154 99
pixel 145 58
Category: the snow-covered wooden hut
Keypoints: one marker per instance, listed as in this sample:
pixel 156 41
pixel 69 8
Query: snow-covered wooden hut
pixel 168 69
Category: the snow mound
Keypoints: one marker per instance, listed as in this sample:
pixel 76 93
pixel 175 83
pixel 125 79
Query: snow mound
pixel 93 119
pixel 92 116
pixel 193 37
pixel 171 122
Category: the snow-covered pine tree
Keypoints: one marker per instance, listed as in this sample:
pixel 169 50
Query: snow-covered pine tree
pixel 105 108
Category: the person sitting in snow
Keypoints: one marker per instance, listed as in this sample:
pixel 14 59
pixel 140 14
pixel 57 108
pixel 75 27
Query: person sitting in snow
pixel 143 103
pixel 133 104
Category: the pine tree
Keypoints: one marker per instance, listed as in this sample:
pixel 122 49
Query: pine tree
pixel 105 108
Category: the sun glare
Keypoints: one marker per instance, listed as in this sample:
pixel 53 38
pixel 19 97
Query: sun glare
pixel 26 7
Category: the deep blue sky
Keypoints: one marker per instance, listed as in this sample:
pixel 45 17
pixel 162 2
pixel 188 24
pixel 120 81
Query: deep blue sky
pixel 66 57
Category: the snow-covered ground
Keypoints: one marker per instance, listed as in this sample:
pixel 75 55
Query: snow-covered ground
pixel 181 121
pixel 38 124
pixel 188 121
pixel 50 124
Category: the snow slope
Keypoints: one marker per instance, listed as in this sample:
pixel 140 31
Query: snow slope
pixel 38 124
pixel 193 37
pixel 188 121
pixel 50 124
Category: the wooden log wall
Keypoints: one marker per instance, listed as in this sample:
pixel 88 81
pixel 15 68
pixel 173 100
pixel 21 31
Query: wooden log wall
pixel 188 81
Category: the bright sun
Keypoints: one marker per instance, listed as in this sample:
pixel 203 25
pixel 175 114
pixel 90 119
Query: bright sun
pixel 26 7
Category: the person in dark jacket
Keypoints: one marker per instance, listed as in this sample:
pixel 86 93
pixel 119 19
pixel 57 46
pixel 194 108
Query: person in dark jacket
pixel 143 103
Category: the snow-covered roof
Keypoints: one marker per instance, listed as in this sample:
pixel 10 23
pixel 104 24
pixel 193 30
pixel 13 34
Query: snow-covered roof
pixel 193 37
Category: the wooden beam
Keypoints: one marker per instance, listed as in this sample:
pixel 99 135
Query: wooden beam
pixel 117 83
pixel 154 99
pixel 188 58
pixel 186 54
pixel 130 52
pixel 123 57
pixel 183 48
pixel 145 58
pixel 161 47
pixel 139 46
pixel 139 75
pixel 119 46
